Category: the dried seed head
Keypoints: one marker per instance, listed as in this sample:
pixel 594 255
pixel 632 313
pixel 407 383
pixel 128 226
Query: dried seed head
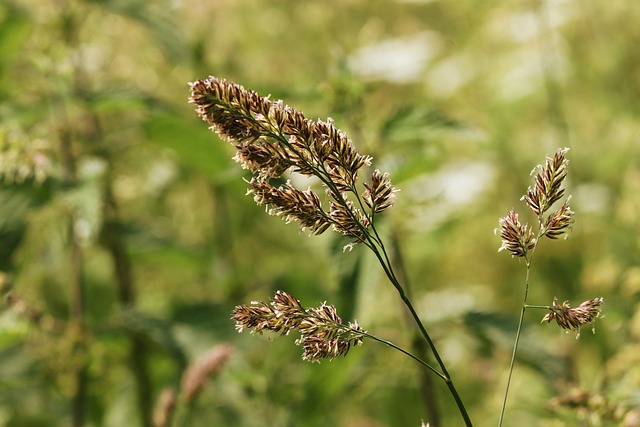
pixel 317 348
pixel 283 314
pixel 348 220
pixel 292 204
pixel 322 333
pixel 256 317
pixel 164 409
pixel 228 108
pixel 271 138
pixel 324 336
pixel 572 319
pixel 244 118
pixel 548 183
pixel 518 239
pixel 380 194
pixel 264 159
pixel 558 222
pixel 260 316
pixel 198 373
pixel 285 303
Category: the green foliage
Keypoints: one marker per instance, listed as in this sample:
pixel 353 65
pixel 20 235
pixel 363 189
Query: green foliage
pixel 126 237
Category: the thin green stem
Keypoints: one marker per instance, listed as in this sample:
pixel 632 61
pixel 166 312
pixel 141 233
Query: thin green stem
pixel 384 261
pixel 529 260
pixel 400 349
pixel 515 345
pixel 380 340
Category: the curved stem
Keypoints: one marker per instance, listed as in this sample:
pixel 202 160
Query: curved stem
pixel 400 349
pixel 346 328
pixel 445 374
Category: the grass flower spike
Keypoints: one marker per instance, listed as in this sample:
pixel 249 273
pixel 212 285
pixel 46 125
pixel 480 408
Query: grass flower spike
pixel 521 240
pixel 198 373
pixel 548 183
pixel 572 319
pixel 557 223
pixel 518 239
pixel 272 139
pixel 323 335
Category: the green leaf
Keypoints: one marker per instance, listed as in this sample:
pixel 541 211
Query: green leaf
pixel 119 99
pixel 411 124
pixel 498 330
pixel 195 145
pixel 155 17
pixel 14 31
pixel 208 316
pixel 156 330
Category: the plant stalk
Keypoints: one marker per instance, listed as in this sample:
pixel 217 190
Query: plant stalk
pixel 386 265
pixel 528 260
pixel 515 345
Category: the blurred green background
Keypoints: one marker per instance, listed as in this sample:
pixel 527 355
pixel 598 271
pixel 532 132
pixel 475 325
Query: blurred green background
pixel 126 237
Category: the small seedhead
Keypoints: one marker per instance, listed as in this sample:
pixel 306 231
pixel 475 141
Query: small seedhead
pixel 573 319
pixel 323 335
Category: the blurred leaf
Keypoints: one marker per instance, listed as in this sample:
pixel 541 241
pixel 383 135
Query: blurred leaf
pixel 122 99
pixel 156 330
pixel 85 200
pixel 15 361
pixel 349 271
pixel 194 144
pixel 149 248
pixel 418 124
pixel 211 317
pixel 15 203
pixel 155 17
pixel 498 330
pixel 417 137
pixel 14 30
pixel 13 329
pixel 12 208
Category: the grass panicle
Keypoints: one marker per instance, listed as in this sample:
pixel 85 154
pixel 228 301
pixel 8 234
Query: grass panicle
pixel 521 240
pixel 323 335
pixel 273 139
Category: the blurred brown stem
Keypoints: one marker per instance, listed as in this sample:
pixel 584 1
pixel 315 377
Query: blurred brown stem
pixel 77 321
pixel 113 239
pixel 77 285
pixel 90 131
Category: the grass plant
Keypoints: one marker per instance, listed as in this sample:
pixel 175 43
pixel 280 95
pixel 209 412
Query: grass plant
pixel 274 140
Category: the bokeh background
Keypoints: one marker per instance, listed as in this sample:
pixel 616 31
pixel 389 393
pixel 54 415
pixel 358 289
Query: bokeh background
pixel 126 237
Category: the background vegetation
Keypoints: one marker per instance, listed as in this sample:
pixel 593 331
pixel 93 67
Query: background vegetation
pixel 126 238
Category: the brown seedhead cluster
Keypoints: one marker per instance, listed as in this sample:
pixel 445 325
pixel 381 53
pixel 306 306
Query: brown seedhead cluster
pixel 517 238
pixel 548 183
pixel 520 239
pixel 273 139
pixel 203 369
pixel 573 319
pixel 323 335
